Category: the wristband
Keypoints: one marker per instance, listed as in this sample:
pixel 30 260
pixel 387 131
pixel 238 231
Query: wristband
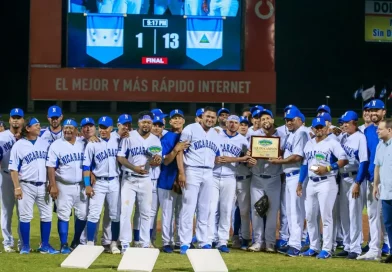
pixel 18 188
pixel 335 166
pixel 329 168
pixel 86 180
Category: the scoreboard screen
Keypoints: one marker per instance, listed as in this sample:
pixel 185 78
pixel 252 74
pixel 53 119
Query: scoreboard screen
pixel 151 41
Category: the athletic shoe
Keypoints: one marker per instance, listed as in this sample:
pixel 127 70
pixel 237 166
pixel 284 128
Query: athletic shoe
pixel 280 243
pixel 194 239
pixel 309 253
pixel 324 255
pixel 207 246
pixel 47 249
pixel 370 256
pixel 284 249
pixel 183 249
pixel 385 249
pixel 214 244
pixel 236 242
pixel 177 247
pixel 25 249
pixel 114 248
pixel 9 249
pixel 90 243
pixel 192 246
pixel 255 247
pixel 352 256
pixel 167 249
pixel 342 254
pixel 106 248
pixel 339 244
pixel 244 244
pixel 124 248
pixel 365 248
pixel 387 259
pixel 65 249
pixel 75 245
pixel 293 252
pixel 224 249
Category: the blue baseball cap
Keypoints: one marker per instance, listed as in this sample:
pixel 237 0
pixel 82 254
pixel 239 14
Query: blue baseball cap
pixel 32 122
pixel 105 121
pixel 87 121
pixel 199 112
pixel 17 112
pixel 243 119
pixel 124 118
pixel 176 112
pixel 288 107
pixel 257 107
pixel 324 108
pixel 222 110
pixel 265 111
pixel 158 112
pixel 54 111
pixel 158 119
pixel 318 121
pixel 292 113
pixel 349 116
pixel 302 116
pixel 376 104
pixel 366 107
pixel 70 122
pixel 326 116
pixel 256 113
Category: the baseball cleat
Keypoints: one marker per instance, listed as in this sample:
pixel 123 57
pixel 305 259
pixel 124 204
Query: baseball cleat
pixel 342 254
pixel 75 245
pixel 385 249
pixel 207 246
pixel 365 248
pixel 270 248
pixel 224 249
pixel 284 249
pixel 194 239
pixel 167 249
pixel 124 248
pixel 387 259
pixel 280 243
pixel 293 252
pixel 90 243
pixel 254 247
pixel 47 249
pixel 65 249
pixel 235 241
pixel 244 244
pixel 369 256
pixel 177 247
pixel 309 253
pixel 25 249
pixel 106 248
pixel 183 249
pixel 114 248
pixel 339 244
pixel 352 256
pixel 9 249
pixel 214 244
pixel 324 255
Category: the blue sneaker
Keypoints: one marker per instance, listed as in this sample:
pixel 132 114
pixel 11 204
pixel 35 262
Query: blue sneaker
pixel 280 243
pixel 167 249
pixel 194 239
pixel 309 253
pixel 183 249
pixel 206 247
pixel 25 249
pixel 283 249
pixel 365 248
pixel 47 249
pixel 65 249
pixel 293 252
pixel 324 255
pixel 244 244
pixel 339 244
pixel 385 249
pixel 224 249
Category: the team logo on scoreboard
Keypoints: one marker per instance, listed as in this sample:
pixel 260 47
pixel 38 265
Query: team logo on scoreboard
pixel 154 60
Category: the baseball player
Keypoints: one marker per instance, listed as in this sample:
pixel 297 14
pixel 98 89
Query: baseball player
pixel 195 177
pixel 323 108
pixel 292 159
pixel 377 113
pixel 127 6
pixel 7 140
pixel 223 8
pixel 366 118
pixel 323 158
pixel 28 173
pixel 255 121
pixel 351 186
pixel 223 114
pixel 266 179
pixel 54 131
pixel 136 154
pixel 176 7
pixel 169 194
pixel 223 189
pixel 199 114
pixel 64 162
pixel 2 126
pixel 159 112
pixel 105 6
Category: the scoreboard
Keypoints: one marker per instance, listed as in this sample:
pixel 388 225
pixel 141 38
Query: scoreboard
pixel 155 42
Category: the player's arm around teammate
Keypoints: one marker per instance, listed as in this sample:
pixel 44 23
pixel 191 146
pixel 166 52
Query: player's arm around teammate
pixel 28 173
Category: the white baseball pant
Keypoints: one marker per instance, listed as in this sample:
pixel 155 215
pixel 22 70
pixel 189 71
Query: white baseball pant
pixel 295 209
pixel 374 215
pixel 105 6
pixel 133 189
pixel 320 196
pixel 271 187
pixel 127 6
pixel 106 237
pixel 243 200
pixel 196 198
pixel 284 225
pixel 71 196
pixel 171 203
pixel 351 215
pixel 7 208
pixel 34 194
pixel 222 195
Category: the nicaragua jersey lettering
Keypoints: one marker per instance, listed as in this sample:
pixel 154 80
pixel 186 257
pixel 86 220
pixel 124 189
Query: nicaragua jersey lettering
pixel 203 146
pixel 67 158
pixel 135 148
pixel 29 159
pixel 101 158
pixel 7 140
pixel 51 136
pixel 230 146
pixel 294 145
pixel 355 147
pixel 323 153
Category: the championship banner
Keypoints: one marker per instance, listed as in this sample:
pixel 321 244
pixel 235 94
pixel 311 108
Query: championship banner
pixel 204 39
pixel 105 36
pixel 378 21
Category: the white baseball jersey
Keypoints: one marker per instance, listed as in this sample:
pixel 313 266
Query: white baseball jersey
pixel 135 149
pixel 230 146
pixel 67 158
pixel 51 136
pixel 164 132
pixel 355 146
pixel 115 134
pixel 324 153
pixel 204 146
pixel 7 140
pixel 29 159
pixel 294 145
pixel 102 158
pixel 362 128
pixel 283 130
pixel 263 167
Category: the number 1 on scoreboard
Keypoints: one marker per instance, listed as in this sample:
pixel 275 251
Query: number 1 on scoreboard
pixel 172 40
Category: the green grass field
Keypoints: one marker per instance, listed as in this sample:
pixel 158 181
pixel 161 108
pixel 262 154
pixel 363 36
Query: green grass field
pixel 237 260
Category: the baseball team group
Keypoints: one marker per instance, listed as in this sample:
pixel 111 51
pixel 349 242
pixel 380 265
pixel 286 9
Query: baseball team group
pixel 205 181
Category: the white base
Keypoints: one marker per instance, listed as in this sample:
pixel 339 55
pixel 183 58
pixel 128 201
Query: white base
pixel 138 259
pixel 206 260
pixel 82 256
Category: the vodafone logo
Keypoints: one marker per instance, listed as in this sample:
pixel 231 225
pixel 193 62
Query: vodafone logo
pixel 264 16
pixel 154 60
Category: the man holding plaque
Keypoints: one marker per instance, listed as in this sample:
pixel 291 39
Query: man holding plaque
pixel 265 143
pixel 323 158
